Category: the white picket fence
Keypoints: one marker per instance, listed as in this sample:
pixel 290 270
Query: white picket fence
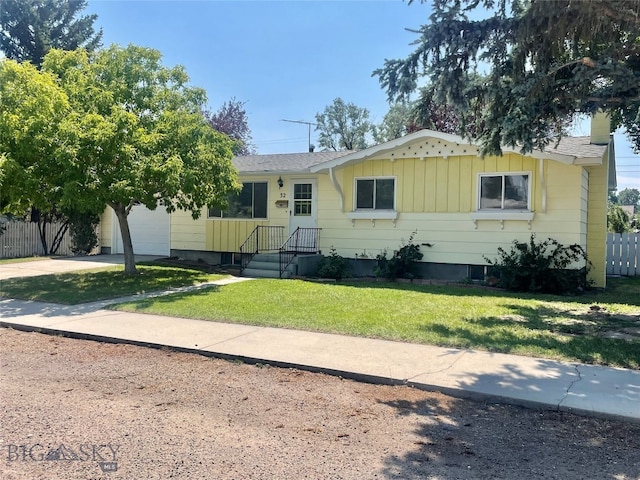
pixel 623 254
pixel 21 239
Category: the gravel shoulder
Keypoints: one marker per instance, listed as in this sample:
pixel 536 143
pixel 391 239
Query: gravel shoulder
pixel 76 409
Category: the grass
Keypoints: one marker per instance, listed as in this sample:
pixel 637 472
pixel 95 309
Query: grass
pixel 22 259
pixel 564 328
pixel 100 284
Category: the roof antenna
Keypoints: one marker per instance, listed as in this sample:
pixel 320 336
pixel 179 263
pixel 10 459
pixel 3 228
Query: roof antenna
pixel 311 147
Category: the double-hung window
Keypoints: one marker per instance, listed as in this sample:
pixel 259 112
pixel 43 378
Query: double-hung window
pixel 504 191
pixel 251 202
pixel 375 193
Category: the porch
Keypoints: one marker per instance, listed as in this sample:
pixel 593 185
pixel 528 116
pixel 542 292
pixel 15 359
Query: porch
pixel 268 253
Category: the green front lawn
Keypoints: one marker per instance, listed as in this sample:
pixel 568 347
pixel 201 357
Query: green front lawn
pixel 22 259
pixel 566 328
pixel 100 284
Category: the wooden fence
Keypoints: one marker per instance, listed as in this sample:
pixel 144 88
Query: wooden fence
pixel 21 239
pixel 623 254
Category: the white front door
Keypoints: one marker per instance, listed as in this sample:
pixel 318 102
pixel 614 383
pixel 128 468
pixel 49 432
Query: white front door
pixel 303 211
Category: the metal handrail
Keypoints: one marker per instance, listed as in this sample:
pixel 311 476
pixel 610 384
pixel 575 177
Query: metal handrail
pixel 263 238
pixel 302 240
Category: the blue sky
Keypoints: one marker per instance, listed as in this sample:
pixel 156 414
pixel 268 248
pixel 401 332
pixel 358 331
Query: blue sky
pixel 285 59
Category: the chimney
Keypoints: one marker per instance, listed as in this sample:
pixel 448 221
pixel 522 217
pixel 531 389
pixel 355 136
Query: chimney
pixel 600 128
pixel 311 148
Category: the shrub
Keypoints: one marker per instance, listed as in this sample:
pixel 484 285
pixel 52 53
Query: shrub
pixel 541 267
pixel 333 266
pixel 82 227
pixel 403 262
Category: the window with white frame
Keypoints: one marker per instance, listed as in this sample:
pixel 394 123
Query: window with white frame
pixel 504 191
pixel 375 193
pixel 251 202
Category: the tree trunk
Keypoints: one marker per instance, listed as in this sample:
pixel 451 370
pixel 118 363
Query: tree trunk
pixel 129 258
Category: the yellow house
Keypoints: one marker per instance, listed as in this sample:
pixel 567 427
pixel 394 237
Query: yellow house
pixel 435 184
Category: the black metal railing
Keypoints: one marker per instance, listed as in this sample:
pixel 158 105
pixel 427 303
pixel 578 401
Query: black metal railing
pixel 264 238
pixel 302 240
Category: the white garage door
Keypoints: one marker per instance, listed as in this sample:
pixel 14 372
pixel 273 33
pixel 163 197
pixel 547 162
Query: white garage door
pixel 150 231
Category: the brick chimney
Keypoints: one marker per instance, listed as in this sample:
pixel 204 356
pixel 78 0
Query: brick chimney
pixel 600 128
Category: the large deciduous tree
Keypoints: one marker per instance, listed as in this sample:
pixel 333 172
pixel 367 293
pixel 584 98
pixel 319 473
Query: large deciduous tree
pixel 123 130
pixel 629 196
pixel 231 119
pixel 30 28
pixel 343 126
pixel 544 61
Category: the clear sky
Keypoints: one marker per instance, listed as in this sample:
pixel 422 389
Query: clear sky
pixel 285 59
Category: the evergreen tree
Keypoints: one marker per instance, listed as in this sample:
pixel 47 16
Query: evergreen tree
pixel 546 61
pixel 30 28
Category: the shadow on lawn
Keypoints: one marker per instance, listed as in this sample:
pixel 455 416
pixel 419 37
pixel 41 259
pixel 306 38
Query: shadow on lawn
pixel 496 334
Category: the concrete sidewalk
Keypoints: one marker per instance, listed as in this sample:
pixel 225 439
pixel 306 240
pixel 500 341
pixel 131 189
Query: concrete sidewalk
pixel 585 389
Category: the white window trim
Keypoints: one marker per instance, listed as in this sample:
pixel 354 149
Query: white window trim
pixel 355 194
pixel 503 214
pixel 504 210
pixel 253 219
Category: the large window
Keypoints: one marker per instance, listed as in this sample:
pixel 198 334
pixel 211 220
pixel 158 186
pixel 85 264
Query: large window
pixel 250 203
pixel 375 193
pixel 504 192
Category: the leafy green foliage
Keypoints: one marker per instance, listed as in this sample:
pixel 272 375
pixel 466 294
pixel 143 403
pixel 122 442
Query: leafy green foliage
pixel 334 266
pixel 113 128
pixel 29 29
pixel 541 267
pixel 343 126
pixel 629 196
pixel 618 220
pixel 546 62
pixel 403 262
pixel 82 227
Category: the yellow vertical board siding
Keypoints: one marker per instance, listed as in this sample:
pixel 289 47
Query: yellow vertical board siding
pixel 419 185
pixel 408 185
pixel 442 176
pixel 430 181
pixel 106 227
pixel 454 186
pixel 597 221
pixel 466 184
pixel 226 235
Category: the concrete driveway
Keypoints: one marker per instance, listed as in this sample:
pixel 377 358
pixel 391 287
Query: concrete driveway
pixel 48 266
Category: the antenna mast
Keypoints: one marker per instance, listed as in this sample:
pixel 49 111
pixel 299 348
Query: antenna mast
pixel 304 123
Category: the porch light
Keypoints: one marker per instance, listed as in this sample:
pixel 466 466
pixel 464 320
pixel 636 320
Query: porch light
pixel 280 182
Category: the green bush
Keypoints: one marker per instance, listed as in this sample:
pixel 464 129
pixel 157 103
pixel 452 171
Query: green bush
pixel 82 227
pixel 403 262
pixel 541 267
pixel 334 266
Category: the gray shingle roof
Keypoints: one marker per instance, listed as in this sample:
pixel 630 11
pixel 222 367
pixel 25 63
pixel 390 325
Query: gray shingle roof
pixel 579 147
pixel 284 162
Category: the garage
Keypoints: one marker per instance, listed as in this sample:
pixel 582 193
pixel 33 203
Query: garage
pixel 150 231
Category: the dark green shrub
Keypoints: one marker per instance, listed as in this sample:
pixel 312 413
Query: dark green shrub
pixel 82 227
pixel 333 266
pixel 403 262
pixel 541 267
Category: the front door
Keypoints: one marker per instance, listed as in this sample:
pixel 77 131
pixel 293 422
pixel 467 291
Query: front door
pixel 303 211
